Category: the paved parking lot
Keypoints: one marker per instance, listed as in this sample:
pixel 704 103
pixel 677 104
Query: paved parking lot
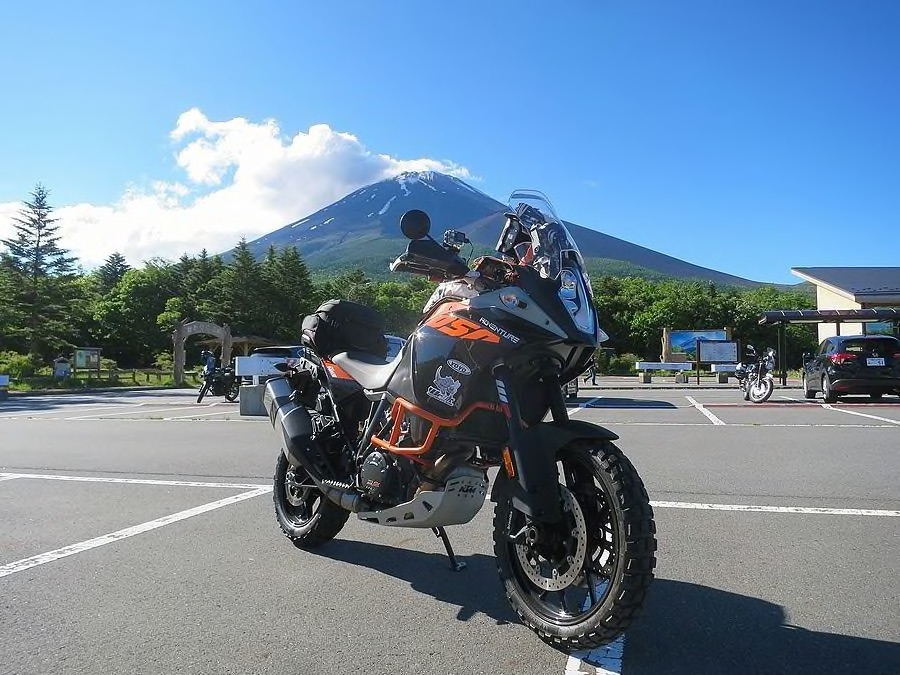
pixel 138 537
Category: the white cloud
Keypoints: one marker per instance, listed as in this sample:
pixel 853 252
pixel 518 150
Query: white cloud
pixel 241 179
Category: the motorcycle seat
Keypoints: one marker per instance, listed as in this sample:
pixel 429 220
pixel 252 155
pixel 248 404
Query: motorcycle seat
pixel 370 371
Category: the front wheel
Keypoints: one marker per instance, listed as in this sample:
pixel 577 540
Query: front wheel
pixel 760 390
pixel 304 514
pixel 579 583
pixel 203 391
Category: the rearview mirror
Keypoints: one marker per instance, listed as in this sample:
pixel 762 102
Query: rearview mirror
pixel 415 224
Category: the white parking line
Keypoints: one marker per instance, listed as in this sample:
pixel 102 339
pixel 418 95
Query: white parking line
pixel 606 660
pixel 828 406
pixel 7 476
pixel 80 406
pixel 66 551
pixel 130 412
pixel 712 418
pixel 135 481
pixel 188 417
pixel 582 406
pixel 814 510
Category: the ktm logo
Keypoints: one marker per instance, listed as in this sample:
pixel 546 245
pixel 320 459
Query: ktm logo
pixel 461 328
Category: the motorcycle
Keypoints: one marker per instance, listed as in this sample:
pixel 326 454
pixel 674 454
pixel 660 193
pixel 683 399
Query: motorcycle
pixel 220 382
pixel 755 378
pixel 409 442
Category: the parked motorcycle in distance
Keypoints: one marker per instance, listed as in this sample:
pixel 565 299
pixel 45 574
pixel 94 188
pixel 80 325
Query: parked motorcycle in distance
pixel 755 377
pixel 220 382
pixel 408 442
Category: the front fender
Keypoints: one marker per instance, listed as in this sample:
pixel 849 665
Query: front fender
pixel 533 489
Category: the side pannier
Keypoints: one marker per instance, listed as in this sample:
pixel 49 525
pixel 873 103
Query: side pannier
pixel 343 326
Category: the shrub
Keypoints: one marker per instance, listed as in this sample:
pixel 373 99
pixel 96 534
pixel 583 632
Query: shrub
pixel 164 361
pixel 623 364
pixel 16 365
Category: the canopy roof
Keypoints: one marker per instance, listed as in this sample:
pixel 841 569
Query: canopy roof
pixel 829 315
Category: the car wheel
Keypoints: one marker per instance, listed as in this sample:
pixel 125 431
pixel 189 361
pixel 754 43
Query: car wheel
pixel 807 392
pixel 827 394
pixel 875 397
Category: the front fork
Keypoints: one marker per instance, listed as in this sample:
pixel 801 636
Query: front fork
pixel 530 465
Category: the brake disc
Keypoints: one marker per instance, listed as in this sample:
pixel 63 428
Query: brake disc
pixel 556 575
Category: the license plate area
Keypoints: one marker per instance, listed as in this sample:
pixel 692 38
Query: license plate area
pixel 875 361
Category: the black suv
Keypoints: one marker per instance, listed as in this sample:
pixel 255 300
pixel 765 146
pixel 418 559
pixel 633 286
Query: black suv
pixel 853 364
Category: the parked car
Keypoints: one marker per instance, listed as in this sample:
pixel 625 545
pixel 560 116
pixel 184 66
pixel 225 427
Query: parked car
pixel 395 344
pixel 853 364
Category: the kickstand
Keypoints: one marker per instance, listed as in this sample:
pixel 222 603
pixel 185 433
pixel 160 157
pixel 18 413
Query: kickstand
pixel 455 564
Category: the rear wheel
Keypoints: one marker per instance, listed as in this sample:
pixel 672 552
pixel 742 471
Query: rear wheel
pixel 234 391
pixel 305 516
pixel 579 583
pixel 827 394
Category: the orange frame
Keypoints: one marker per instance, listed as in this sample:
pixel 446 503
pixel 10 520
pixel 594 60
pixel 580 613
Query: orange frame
pixel 398 413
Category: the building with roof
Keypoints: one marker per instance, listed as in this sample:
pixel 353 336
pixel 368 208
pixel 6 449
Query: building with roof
pixel 853 288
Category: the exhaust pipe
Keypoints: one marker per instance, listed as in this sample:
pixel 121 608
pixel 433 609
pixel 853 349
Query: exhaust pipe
pixel 295 426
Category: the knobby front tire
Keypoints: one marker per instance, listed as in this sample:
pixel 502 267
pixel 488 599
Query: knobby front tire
pixel 580 583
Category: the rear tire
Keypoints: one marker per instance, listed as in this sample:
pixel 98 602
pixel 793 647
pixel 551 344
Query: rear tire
pixel 827 394
pixel 304 514
pixel 579 584
pixel 234 392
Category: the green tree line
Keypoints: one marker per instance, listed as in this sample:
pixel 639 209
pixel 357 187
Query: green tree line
pixel 49 306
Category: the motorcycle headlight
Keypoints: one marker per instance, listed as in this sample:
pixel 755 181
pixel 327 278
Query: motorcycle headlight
pixel 577 300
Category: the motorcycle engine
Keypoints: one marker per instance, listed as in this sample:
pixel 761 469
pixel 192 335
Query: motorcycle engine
pixel 379 476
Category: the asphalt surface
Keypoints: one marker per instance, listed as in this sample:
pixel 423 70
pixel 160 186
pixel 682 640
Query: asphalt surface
pixel 137 536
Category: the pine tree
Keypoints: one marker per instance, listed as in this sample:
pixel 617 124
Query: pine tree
pixel 40 271
pixel 290 292
pixel 112 271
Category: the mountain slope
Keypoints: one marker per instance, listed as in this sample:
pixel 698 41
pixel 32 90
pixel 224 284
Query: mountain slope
pixel 362 230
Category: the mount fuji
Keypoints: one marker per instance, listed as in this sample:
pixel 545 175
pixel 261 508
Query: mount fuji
pixel 362 230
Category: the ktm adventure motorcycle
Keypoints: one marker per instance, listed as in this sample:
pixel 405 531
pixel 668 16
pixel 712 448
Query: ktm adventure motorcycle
pixel 409 442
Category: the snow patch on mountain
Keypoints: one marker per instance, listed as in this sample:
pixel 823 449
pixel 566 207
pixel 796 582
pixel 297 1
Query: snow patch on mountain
pixel 387 206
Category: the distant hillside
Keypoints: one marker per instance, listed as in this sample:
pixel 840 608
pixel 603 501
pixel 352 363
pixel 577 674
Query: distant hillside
pixel 362 231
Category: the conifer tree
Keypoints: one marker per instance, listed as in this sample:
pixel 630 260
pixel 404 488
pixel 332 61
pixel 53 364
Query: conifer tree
pixel 39 271
pixel 112 271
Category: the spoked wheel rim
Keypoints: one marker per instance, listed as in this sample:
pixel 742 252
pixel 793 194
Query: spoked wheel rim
pixel 301 497
pixel 566 570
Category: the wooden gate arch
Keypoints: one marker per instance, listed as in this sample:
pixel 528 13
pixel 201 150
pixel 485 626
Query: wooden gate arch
pixel 187 328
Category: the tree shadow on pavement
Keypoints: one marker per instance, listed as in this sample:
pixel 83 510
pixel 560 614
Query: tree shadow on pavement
pixel 474 589
pixel 696 630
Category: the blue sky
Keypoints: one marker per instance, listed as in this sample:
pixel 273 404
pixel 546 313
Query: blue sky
pixel 749 137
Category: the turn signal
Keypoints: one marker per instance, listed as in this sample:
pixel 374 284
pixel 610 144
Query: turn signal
pixel 508 463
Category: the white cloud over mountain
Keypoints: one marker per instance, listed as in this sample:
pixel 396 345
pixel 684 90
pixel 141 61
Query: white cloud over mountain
pixel 241 179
